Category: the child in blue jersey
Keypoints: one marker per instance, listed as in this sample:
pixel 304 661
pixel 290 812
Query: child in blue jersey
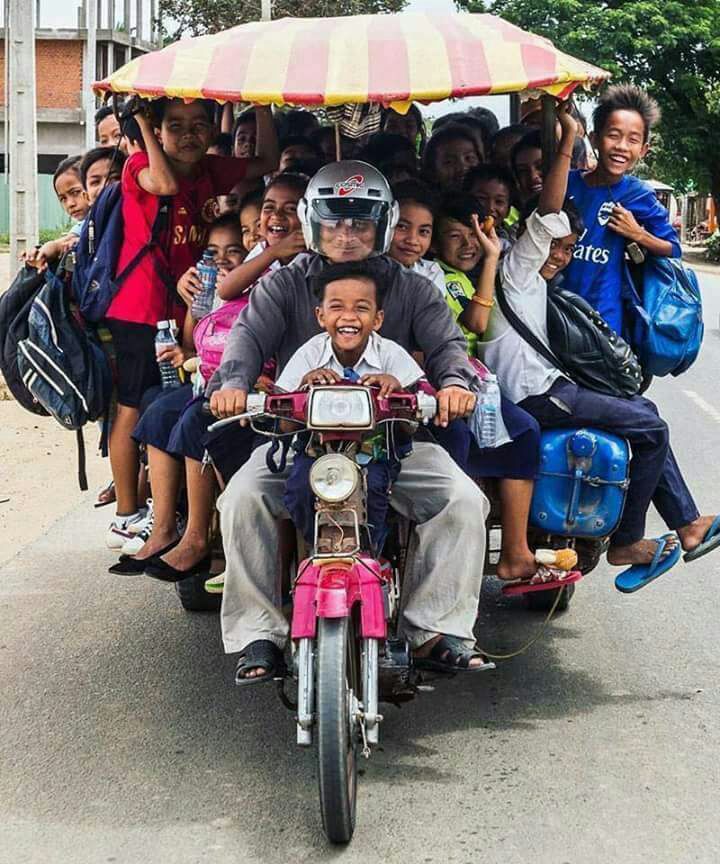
pixel 616 207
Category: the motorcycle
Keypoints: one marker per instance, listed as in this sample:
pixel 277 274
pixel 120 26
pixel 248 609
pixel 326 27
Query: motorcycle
pixel 348 653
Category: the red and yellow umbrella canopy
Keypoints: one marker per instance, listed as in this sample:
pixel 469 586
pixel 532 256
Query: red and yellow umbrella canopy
pixel 389 59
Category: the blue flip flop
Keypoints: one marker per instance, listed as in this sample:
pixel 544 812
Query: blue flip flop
pixel 639 575
pixel 710 541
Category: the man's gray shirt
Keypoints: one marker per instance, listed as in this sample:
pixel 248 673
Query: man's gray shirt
pixel 280 317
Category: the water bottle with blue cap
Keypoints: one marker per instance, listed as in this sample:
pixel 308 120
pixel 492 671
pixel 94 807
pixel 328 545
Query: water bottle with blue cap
pixel 490 408
pixel 203 301
pixel 169 375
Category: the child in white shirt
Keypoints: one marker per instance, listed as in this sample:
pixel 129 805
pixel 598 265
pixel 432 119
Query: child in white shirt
pixel 350 313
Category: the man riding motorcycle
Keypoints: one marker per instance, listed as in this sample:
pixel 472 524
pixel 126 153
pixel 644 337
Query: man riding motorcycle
pixel 348 214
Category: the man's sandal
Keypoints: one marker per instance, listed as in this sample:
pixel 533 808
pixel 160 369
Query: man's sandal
pixel 450 655
pixel 261 654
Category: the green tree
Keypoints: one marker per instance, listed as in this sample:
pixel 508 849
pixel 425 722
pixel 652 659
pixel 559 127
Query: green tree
pixel 669 47
pixel 195 17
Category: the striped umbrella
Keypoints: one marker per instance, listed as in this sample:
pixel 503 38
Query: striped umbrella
pixel 389 59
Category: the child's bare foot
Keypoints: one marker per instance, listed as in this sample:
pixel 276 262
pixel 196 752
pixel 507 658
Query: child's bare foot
pixel 512 566
pixel 155 543
pixel 641 552
pixel 693 534
pixel 189 551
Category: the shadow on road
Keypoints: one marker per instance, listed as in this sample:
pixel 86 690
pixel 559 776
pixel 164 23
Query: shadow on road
pixel 121 712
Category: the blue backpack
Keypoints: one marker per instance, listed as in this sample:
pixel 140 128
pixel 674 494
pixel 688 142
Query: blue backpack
pixel 95 280
pixel 63 365
pixel 666 323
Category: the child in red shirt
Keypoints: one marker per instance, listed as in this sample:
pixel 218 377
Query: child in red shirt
pixel 174 165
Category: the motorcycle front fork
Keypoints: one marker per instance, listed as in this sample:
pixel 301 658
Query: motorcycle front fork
pixel 364 711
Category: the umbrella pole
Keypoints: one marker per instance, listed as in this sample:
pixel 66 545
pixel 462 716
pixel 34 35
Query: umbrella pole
pixel 338 143
pixel 549 135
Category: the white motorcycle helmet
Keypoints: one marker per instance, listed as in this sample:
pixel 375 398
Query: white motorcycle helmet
pixel 348 190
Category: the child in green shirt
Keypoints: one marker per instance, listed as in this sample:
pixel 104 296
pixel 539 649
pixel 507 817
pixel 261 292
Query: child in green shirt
pixel 463 241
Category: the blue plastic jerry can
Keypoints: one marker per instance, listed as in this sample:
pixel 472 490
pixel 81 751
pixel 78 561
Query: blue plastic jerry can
pixel 582 484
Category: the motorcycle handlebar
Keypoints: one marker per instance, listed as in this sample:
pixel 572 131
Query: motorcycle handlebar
pixel 256 402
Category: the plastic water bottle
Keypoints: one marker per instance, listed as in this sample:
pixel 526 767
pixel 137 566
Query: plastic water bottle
pixel 203 302
pixel 169 375
pixel 490 410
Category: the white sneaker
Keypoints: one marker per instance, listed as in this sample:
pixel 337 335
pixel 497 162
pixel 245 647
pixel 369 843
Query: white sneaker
pixel 118 530
pixel 146 521
pixel 135 543
pixel 138 538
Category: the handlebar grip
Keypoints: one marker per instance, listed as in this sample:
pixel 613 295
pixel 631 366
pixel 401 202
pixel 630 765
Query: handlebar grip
pixel 254 406
pixel 426 407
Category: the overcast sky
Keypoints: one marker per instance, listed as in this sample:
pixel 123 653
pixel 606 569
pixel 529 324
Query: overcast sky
pixel 63 13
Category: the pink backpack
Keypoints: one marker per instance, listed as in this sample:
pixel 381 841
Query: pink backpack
pixel 211 334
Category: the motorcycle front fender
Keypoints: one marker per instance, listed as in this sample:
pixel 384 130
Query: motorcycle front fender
pixel 331 592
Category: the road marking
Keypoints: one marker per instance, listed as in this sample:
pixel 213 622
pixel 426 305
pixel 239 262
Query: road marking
pixel 709 409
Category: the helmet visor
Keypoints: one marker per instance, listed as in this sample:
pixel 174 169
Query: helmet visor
pixel 334 210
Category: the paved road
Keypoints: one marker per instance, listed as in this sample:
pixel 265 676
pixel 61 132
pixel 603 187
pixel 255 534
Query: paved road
pixel 122 740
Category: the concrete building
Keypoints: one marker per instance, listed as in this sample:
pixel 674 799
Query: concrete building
pixel 64 65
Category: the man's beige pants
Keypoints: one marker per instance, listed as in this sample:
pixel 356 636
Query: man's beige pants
pixel 441 589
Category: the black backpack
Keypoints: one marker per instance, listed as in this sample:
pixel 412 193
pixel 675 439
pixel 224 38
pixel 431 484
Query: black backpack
pixel 582 345
pixel 63 365
pixel 14 311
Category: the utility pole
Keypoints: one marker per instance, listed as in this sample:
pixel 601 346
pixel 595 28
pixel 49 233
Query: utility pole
pixel 89 71
pixel 21 117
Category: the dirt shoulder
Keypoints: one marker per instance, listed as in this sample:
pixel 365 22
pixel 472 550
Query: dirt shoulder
pixel 39 476
pixel 39 468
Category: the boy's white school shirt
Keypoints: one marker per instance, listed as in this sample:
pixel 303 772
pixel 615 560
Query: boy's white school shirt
pixel 520 370
pixel 431 270
pixel 380 356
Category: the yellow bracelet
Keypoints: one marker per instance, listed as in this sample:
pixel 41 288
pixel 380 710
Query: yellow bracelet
pixel 488 304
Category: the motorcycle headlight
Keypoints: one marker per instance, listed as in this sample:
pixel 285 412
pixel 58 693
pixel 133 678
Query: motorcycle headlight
pixel 334 477
pixel 340 407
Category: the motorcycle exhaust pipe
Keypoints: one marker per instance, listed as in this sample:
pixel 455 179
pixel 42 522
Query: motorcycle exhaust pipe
pixel 306 693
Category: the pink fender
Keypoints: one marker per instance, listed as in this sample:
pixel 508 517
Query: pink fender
pixel 331 591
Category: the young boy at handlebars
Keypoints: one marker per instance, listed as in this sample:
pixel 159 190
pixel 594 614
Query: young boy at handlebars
pixel 350 348
pixel 544 249
pixel 176 135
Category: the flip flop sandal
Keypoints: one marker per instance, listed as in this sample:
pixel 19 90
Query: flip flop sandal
pixel 106 496
pixel 450 655
pixel 527 586
pixel 710 541
pixel 639 575
pixel 215 584
pixel 262 654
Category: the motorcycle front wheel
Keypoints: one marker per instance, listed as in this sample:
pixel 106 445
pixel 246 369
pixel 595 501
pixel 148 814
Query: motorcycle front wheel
pixel 338 683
